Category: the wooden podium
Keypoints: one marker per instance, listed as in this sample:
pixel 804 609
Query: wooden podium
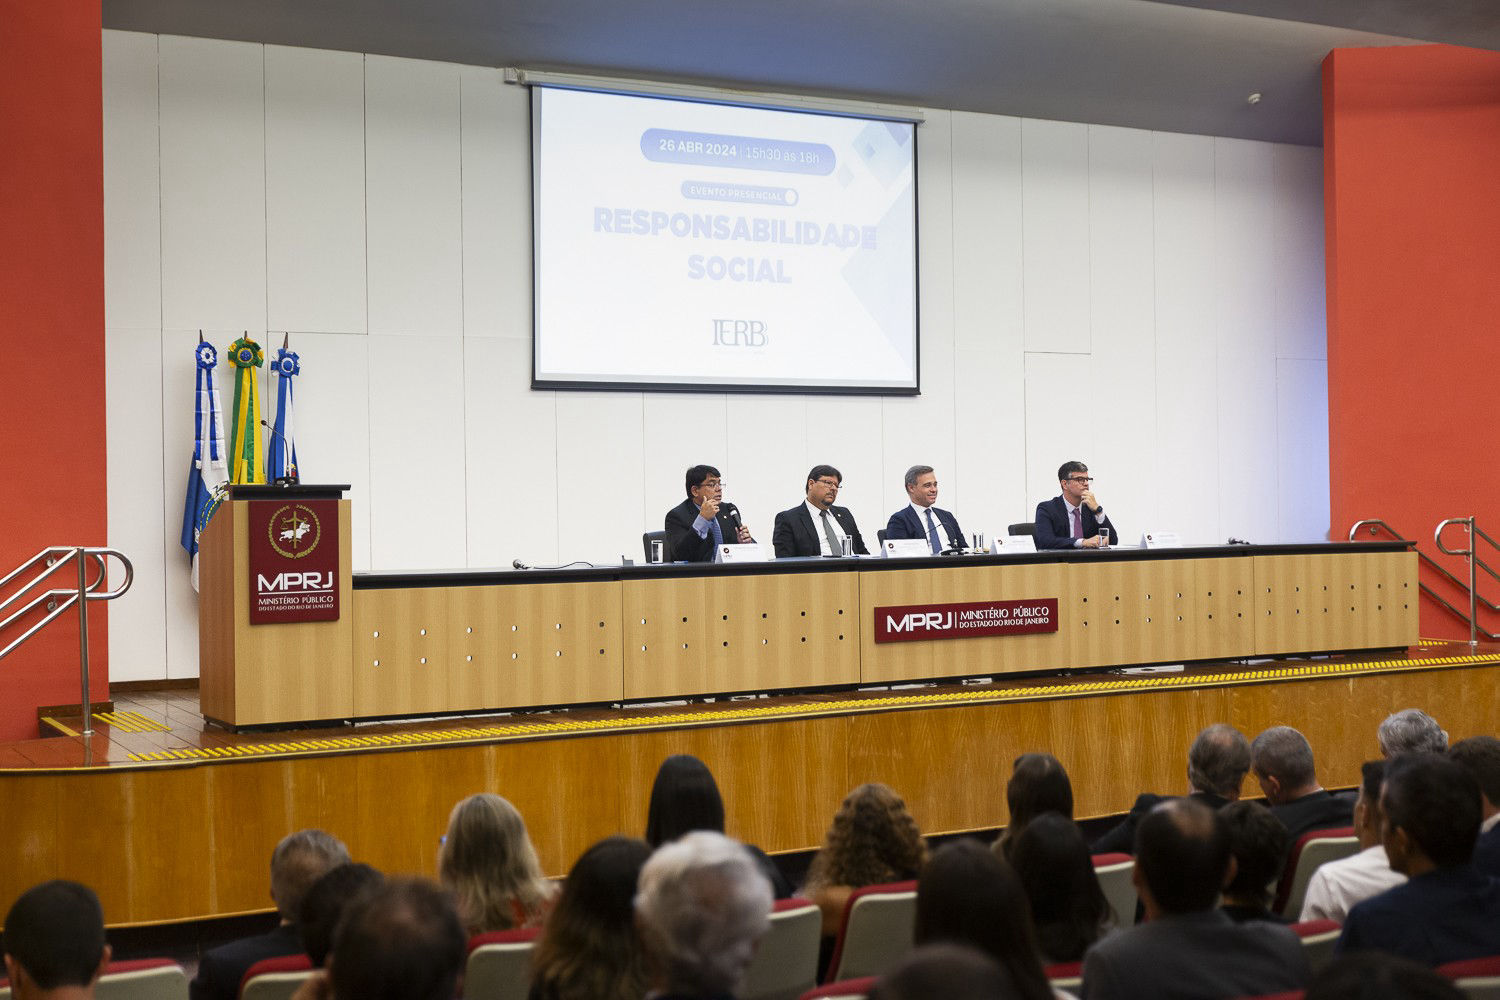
pixel 265 674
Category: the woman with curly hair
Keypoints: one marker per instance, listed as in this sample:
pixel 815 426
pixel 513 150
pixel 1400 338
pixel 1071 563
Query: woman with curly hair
pixel 489 865
pixel 588 949
pixel 873 840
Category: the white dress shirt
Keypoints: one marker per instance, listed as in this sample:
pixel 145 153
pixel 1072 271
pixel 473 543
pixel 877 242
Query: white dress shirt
pixel 1336 886
pixel 817 516
pixel 944 542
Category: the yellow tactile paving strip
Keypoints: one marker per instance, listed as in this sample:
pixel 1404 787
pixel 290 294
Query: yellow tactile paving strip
pixel 525 730
pixel 132 722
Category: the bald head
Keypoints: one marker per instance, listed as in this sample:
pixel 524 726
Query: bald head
pixel 1182 856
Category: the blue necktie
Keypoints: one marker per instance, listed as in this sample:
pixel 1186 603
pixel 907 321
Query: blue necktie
pixel 713 529
pixel 932 535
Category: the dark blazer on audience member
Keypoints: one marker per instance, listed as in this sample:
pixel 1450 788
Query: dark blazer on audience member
pixel 1120 839
pixel 796 534
pixel 1054 532
pixel 1194 956
pixel 220 970
pixel 1442 916
pixel 1487 852
pixel 1321 810
pixel 683 543
pixel 905 524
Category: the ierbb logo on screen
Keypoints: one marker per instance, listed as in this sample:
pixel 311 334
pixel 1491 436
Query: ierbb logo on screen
pixel 740 333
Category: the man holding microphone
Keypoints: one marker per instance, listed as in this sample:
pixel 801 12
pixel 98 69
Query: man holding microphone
pixel 701 523
pixel 1074 520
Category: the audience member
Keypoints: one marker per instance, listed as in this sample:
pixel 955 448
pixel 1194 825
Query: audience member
pixel 1038 784
pixel 1447 910
pixel 968 896
pixel 1283 764
pixel 1187 948
pixel 946 972
pixel 1258 844
pixel 402 941
pixel 298 861
pixel 1067 905
pixel 325 903
pixel 489 865
pixel 1480 755
pixel 1410 731
pixel 1371 975
pixel 1337 885
pixel 873 840
pixel 685 798
pixel 702 908
pixel 1217 763
pixel 54 942
pixel 588 949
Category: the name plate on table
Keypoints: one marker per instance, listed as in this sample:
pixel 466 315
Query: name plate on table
pixel 913 622
pixel 907 548
pixel 747 552
pixel 1015 543
pixel 294 561
pixel 1161 540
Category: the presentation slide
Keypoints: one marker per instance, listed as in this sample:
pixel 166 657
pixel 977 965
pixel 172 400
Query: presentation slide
pixel 688 244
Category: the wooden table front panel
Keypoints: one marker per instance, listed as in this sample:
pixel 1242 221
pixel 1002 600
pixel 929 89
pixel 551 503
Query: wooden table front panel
pixel 700 635
pixel 1328 601
pixel 437 649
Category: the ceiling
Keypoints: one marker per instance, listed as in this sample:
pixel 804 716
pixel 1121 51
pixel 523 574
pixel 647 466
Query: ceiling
pixel 1170 65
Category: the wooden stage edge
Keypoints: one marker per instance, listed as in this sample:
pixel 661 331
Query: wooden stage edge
pixel 170 819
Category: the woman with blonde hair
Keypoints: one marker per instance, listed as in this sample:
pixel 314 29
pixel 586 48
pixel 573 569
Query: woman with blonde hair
pixel 489 865
pixel 873 840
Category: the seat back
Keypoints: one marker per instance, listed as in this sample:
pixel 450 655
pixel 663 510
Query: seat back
pixel 880 536
pixel 786 964
pixel 1065 975
pixel 876 931
pixel 1318 940
pixel 1116 873
pixel 1313 848
pixel 1478 978
pixel 647 537
pixel 499 966
pixel 1021 528
pixel 144 979
pixel 849 989
pixel 275 978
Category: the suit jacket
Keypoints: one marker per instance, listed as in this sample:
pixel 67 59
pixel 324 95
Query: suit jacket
pixel 1321 810
pixel 1121 838
pixel 683 543
pixel 1195 956
pixel 905 524
pixel 1054 532
pixel 1445 915
pixel 1487 852
pixel 220 970
pixel 796 534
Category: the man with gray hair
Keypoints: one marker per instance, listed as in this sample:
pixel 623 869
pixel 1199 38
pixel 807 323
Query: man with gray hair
pixel 920 519
pixel 1410 730
pixel 1216 766
pixel 298 861
pixel 1282 760
pixel 702 907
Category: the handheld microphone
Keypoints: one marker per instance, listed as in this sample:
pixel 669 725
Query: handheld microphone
pixel 282 480
pixel 733 512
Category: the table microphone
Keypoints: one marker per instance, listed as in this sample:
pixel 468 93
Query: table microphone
pixel 518 564
pixel 282 480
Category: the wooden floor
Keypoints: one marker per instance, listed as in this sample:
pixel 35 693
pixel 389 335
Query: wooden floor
pixel 165 726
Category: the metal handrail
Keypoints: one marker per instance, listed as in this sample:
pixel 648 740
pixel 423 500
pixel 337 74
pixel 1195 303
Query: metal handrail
pixel 59 600
pixel 1437 539
pixel 1374 522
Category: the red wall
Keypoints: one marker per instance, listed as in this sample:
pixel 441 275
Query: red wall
pixel 52 441
pixel 1412 196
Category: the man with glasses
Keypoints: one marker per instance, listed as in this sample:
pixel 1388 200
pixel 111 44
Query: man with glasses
pixel 1073 520
pixel 815 527
pixel 701 523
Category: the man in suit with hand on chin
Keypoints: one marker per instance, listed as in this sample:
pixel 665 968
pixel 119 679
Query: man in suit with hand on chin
pixel 701 523
pixel 1074 519
pixel 920 519
pixel 813 527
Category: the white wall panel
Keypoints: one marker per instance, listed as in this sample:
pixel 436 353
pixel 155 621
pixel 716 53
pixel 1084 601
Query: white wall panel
pixel 1122 315
pixel 1244 251
pixel 213 185
pixel 1060 423
pixel 767 458
pixel 844 432
pixel 511 457
pixel 1054 186
pixel 315 190
pixel 412 197
pixel 1125 458
pixel 990 425
pixel 1302 452
pixel 1301 315
pixel 680 430
pixel 1188 495
pixel 986 184
pixel 333 420
pixel 1247 447
pixel 417 475
pixel 496 137
pixel 132 182
pixel 137 502
pixel 600 453
pixel 1183 247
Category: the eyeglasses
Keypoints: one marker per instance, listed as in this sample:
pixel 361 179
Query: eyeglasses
pixel 832 484
pixel 1081 479
pixel 711 484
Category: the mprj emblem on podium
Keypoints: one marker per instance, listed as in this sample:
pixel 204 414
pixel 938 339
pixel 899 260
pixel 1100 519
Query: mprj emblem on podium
pixel 294 561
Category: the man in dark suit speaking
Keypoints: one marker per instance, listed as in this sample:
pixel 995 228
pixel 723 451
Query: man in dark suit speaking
pixel 920 519
pixel 701 523
pixel 813 527
pixel 1072 520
